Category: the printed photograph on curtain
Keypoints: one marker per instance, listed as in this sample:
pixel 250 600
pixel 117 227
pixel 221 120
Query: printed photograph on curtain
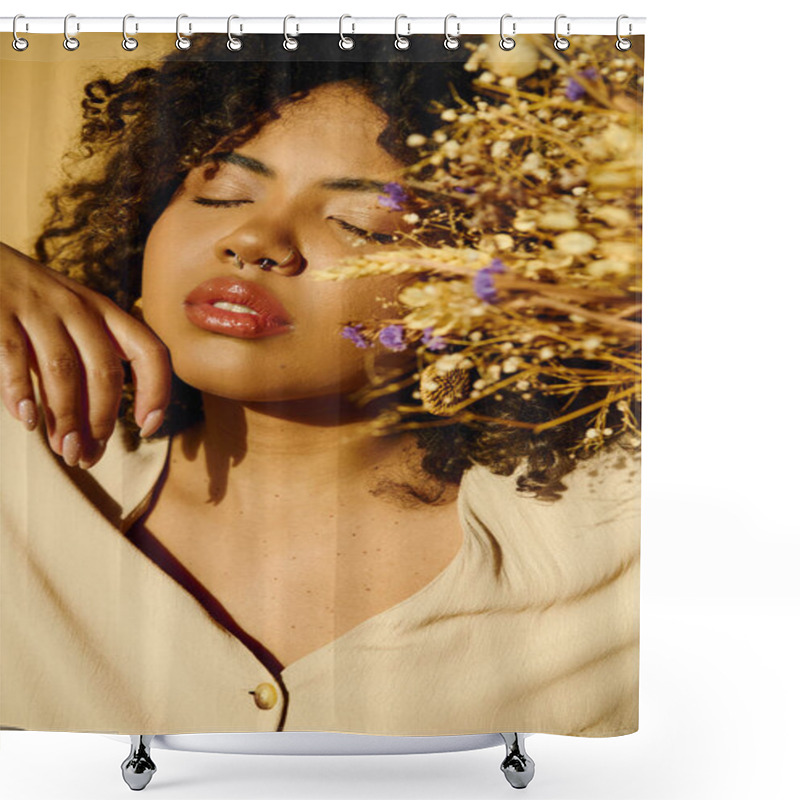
pixel 321 385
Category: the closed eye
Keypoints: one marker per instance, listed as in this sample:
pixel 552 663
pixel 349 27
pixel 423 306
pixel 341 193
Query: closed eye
pixel 210 201
pixel 383 238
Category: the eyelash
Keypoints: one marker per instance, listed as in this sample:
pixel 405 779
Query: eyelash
pixel 381 238
pixel 208 201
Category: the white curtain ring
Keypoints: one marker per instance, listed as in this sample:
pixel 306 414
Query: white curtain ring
pixel 401 42
pixel 623 44
pixel 18 43
pixel 560 43
pixel 289 42
pixel 345 42
pixel 182 43
pixel 233 44
pixel 506 42
pixel 70 42
pixel 128 42
pixel 451 42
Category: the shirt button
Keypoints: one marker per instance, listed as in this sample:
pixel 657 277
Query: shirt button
pixel 265 695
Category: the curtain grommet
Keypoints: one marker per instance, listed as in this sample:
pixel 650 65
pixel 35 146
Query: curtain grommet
pixel 623 44
pixel 346 42
pixel 290 42
pixel 401 42
pixel 182 42
pixel 506 42
pixel 233 44
pixel 451 42
pixel 70 42
pixel 18 43
pixel 128 42
pixel 560 43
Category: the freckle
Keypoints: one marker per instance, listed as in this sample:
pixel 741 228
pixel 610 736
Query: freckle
pixel 292 626
pixel 367 589
pixel 364 552
pixel 294 558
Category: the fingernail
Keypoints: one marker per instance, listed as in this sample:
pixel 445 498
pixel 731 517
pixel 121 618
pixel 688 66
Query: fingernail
pixel 152 422
pixel 71 448
pixel 27 413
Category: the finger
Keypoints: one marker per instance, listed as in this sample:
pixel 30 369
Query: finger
pixel 150 364
pixel 60 372
pixel 16 386
pixel 104 378
pixel 103 373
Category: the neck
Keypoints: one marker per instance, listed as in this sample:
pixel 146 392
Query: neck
pixel 312 448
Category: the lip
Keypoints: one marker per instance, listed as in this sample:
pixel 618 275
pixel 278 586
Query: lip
pixel 271 317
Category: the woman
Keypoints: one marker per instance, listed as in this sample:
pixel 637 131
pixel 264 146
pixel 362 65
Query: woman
pixel 380 581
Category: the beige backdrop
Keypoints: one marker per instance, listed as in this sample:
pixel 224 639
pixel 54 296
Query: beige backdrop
pixel 40 115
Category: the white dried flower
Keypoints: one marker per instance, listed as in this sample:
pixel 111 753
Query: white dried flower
pixel 577 243
pixel 502 241
pixel 416 140
pixel 499 149
pixel 512 364
pixel 591 343
pixel 558 220
pixel 531 162
pixel 451 148
pixel 449 115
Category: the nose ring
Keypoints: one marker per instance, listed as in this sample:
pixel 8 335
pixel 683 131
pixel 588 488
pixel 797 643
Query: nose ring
pixel 265 263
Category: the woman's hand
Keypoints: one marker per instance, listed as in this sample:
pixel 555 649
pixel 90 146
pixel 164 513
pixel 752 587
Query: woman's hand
pixel 74 339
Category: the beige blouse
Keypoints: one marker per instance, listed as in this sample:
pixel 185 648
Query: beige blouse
pixel 534 626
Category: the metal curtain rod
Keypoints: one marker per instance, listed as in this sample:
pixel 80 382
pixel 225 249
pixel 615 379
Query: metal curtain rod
pixel 458 26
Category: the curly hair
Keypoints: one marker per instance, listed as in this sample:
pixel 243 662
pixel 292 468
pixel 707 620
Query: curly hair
pixel 143 133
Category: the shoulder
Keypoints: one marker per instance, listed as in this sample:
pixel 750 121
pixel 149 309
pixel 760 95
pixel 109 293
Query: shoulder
pixel 119 482
pixel 591 531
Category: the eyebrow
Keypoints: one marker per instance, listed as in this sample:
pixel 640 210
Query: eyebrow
pixel 336 184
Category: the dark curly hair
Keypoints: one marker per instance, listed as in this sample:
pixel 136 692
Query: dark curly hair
pixel 143 133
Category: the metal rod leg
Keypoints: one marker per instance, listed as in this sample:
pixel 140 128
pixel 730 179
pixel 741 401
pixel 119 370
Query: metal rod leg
pixel 138 767
pixel 517 766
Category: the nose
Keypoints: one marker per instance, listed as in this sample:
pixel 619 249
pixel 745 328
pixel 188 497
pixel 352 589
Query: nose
pixel 262 245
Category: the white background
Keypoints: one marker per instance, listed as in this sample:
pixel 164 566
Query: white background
pixel 720 553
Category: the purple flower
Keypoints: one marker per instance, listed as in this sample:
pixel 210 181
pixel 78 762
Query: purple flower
pixel 351 332
pixel 394 197
pixel 574 90
pixel 463 189
pixel 433 342
pixel 392 337
pixel 483 283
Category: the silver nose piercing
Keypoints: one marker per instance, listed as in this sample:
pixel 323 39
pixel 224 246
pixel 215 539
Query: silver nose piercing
pixel 265 263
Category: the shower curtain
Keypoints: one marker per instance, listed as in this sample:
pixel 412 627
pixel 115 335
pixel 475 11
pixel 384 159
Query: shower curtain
pixel 321 383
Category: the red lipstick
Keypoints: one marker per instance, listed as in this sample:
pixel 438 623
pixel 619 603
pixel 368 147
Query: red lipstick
pixel 259 314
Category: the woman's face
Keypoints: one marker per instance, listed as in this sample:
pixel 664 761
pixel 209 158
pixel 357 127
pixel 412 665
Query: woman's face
pixel 306 181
